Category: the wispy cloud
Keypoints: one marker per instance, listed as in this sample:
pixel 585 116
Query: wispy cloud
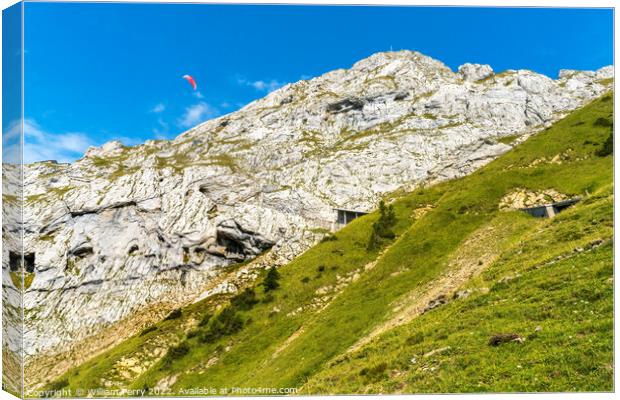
pixel 197 94
pixel 196 114
pixel 159 107
pixel 262 85
pixel 11 139
pixel 161 131
pixel 41 145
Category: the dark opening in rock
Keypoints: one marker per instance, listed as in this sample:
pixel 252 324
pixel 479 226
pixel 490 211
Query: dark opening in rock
pixel 232 246
pixel 240 243
pixel 401 96
pixel 345 106
pixel 83 251
pixel 15 261
pixel 29 262
pixel 286 100
pixel 133 249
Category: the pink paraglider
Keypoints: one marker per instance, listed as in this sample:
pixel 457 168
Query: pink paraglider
pixel 190 80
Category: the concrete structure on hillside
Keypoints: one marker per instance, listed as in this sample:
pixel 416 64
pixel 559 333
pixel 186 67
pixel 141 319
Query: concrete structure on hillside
pixel 345 216
pixel 550 210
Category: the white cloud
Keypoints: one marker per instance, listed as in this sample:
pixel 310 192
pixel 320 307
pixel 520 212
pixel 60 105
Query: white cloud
pixel 41 145
pixel 197 94
pixel 12 132
pixel 161 132
pixel 261 85
pixel 11 139
pixel 197 113
pixel 159 107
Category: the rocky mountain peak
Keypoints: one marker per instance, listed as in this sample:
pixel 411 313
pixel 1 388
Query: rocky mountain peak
pixel 475 72
pixel 391 60
pixel 109 149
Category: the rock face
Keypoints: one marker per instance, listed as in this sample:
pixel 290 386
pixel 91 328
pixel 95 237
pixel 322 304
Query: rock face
pixel 124 228
pixel 523 198
pixel 475 72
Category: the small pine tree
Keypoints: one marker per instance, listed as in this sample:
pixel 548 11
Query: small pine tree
pixel 271 280
pixel 382 228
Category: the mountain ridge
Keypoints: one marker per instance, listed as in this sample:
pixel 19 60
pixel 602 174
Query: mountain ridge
pixel 125 228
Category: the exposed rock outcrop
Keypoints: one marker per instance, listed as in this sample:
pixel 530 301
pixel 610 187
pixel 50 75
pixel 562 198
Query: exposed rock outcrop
pixel 475 72
pixel 523 198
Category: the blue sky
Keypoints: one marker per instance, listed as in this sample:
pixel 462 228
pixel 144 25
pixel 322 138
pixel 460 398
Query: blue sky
pixel 97 72
pixel 11 83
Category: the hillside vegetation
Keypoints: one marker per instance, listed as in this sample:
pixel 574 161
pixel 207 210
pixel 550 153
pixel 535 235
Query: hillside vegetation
pixel 450 295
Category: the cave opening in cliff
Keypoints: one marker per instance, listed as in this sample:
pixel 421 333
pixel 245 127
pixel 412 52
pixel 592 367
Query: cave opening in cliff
pixel 29 262
pixel 15 261
pixel 231 245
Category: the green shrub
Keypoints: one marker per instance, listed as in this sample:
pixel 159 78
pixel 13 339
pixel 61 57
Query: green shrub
pixel 175 353
pixel 226 323
pixel 58 385
pixel 603 122
pixel 414 339
pixel 244 300
pixel 193 333
pixel 376 373
pixel 329 238
pixel 174 314
pixel 205 319
pixel 608 147
pixel 271 280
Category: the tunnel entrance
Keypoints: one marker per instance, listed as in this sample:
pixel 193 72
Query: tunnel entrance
pixel 550 210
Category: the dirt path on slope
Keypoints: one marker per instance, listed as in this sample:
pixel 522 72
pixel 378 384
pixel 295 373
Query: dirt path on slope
pixel 472 257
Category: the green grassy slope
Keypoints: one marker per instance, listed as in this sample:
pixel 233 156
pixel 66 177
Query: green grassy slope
pixel 563 310
pixel 339 292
